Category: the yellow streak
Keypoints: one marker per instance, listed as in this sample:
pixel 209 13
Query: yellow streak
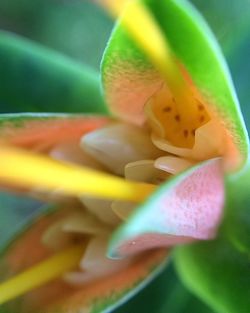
pixel 143 27
pixel 41 273
pixel 24 169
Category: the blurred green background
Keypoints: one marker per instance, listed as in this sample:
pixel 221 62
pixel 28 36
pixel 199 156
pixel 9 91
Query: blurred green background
pixel 79 30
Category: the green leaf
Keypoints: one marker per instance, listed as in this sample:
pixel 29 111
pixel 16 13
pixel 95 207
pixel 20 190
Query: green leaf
pixel 125 66
pixel 38 79
pixel 165 294
pixel 218 273
pixel 60 25
pixel 237 218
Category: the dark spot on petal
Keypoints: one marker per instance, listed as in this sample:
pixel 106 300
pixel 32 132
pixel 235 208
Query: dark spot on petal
pixel 202 118
pixel 200 107
pixel 185 133
pixel 167 109
pixel 177 118
pixel 193 132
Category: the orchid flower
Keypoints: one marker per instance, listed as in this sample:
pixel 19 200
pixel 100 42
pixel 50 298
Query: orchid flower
pixel 164 174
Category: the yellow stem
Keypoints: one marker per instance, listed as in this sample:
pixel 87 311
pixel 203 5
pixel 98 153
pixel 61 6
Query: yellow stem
pixel 24 169
pixel 41 273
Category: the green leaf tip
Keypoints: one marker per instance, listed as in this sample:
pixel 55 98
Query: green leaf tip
pixel 44 80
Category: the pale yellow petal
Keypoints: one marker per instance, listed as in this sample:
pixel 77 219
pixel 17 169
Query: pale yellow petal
pixel 94 263
pixel 71 152
pixel 61 233
pixel 116 145
pixel 145 171
pixel 172 165
pixel 123 209
pixel 83 223
pixel 101 209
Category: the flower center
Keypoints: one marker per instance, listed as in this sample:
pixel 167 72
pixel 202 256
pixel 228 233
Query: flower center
pixel 175 123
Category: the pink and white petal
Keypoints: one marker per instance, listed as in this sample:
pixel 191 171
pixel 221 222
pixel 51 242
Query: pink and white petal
pixel 187 207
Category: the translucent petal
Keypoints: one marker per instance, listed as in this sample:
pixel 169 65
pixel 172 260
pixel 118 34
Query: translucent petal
pixel 83 223
pixel 95 260
pixel 102 210
pixel 71 152
pixel 61 233
pixel 95 264
pixel 141 171
pixel 123 209
pixel 55 238
pixel 145 171
pixel 119 144
pixel 172 165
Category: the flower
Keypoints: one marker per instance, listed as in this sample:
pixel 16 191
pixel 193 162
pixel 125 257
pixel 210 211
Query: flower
pixel 187 207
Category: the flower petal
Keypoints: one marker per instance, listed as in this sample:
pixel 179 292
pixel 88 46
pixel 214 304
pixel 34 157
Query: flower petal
pixel 119 144
pixel 186 208
pixel 41 132
pixel 60 297
pixel 129 79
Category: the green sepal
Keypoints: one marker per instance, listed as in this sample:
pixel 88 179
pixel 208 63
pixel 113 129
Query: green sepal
pixel 38 79
pixel 194 46
pixel 41 130
pixel 237 218
pixel 18 120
